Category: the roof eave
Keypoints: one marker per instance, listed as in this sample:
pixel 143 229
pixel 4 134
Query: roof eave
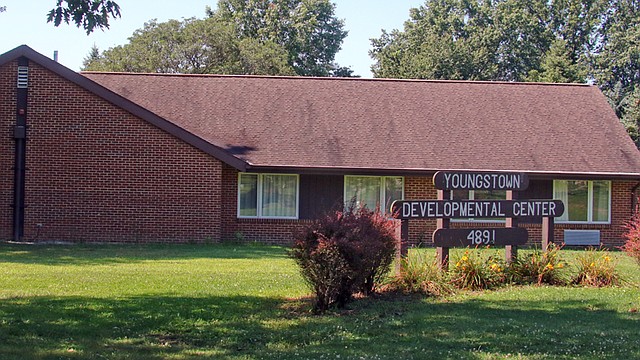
pixel 326 170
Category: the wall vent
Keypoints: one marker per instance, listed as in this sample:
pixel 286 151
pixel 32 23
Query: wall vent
pixel 582 237
pixel 23 77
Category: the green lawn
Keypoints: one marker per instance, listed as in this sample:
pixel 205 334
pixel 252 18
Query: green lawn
pixel 242 302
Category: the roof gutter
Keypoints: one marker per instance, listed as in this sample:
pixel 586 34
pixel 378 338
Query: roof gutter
pixel 429 172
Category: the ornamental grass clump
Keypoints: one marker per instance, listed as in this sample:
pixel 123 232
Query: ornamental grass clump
pixel 596 267
pixel 343 253
pixel 475 271
pixel 418 274
pixel 538 267
pixel 632 237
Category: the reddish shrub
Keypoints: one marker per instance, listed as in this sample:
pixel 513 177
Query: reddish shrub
pixel 632 237
pixel 345 252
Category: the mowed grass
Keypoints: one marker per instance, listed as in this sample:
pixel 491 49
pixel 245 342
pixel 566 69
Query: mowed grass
pixel 249 302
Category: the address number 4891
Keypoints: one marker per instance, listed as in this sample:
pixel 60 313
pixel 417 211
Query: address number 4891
pixel 479 237
pixel 482 237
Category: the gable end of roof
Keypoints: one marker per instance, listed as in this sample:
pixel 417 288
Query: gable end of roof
pixel 122 102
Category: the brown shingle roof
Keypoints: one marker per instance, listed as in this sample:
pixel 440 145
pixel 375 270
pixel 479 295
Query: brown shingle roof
pixel 403 125
pixel 359 125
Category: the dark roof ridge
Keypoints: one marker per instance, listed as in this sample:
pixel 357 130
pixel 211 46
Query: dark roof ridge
pixel 289 77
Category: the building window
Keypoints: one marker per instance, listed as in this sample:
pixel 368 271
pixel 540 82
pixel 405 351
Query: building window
pixel 268 196
pixel 374 191
pixel 585 201
pixel 479 195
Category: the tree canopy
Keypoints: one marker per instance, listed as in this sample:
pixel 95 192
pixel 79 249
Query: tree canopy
pixel 88 14
pixel 486 40
pixel 616 66
pixel 267 37
pixel 307 29
pixel 192 46
pixel 595 41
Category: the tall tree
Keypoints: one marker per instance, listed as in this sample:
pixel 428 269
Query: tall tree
pixel 437 43
pixel 192 46
pixel 616 62
pixel 463 39
pixel 577 22
pixel 307 29
pixel 523 37
pixel 515 40
pixel 518 37
pixel 88 14
pixel 274 37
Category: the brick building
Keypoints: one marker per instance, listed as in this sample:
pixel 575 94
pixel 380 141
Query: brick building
pixel 112 157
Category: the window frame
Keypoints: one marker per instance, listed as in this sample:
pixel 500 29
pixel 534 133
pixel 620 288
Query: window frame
pixel 259 194
pixel 589 204
pixel 383 189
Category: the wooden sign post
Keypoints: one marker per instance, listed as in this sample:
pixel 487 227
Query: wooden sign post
pixel 511 250
pixel 442 252
pixel 443 209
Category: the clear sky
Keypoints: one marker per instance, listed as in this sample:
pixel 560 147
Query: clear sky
pixel 24 22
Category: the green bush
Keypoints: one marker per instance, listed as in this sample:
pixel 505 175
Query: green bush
pixel 596 268
pixel 538 267
pixel 345 252
pixel 419 275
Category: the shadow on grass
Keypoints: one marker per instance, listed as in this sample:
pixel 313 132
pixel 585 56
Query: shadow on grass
pixel 99 254
pixel 264 328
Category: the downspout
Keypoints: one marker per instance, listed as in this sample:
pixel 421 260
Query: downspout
pixel 20 138
pixel 634 199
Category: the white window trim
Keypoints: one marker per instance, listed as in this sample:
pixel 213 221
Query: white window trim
pixel 474 220
pixel 259 200
pixel 383 190
pixel 589 205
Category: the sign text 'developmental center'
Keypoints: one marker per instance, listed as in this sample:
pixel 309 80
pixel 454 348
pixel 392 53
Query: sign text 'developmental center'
pixel 460 209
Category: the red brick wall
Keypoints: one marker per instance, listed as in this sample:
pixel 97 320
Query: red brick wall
pixel 420 231
pixel 270 231
pixel 229 208
pixel 96 173
pixel 420 188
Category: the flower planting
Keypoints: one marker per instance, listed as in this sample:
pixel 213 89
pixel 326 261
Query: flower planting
pixel 539 267
pixel 419 274
pixel 596 268
pixel 475 271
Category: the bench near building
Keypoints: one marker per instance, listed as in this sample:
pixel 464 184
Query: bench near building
pixel 114 157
